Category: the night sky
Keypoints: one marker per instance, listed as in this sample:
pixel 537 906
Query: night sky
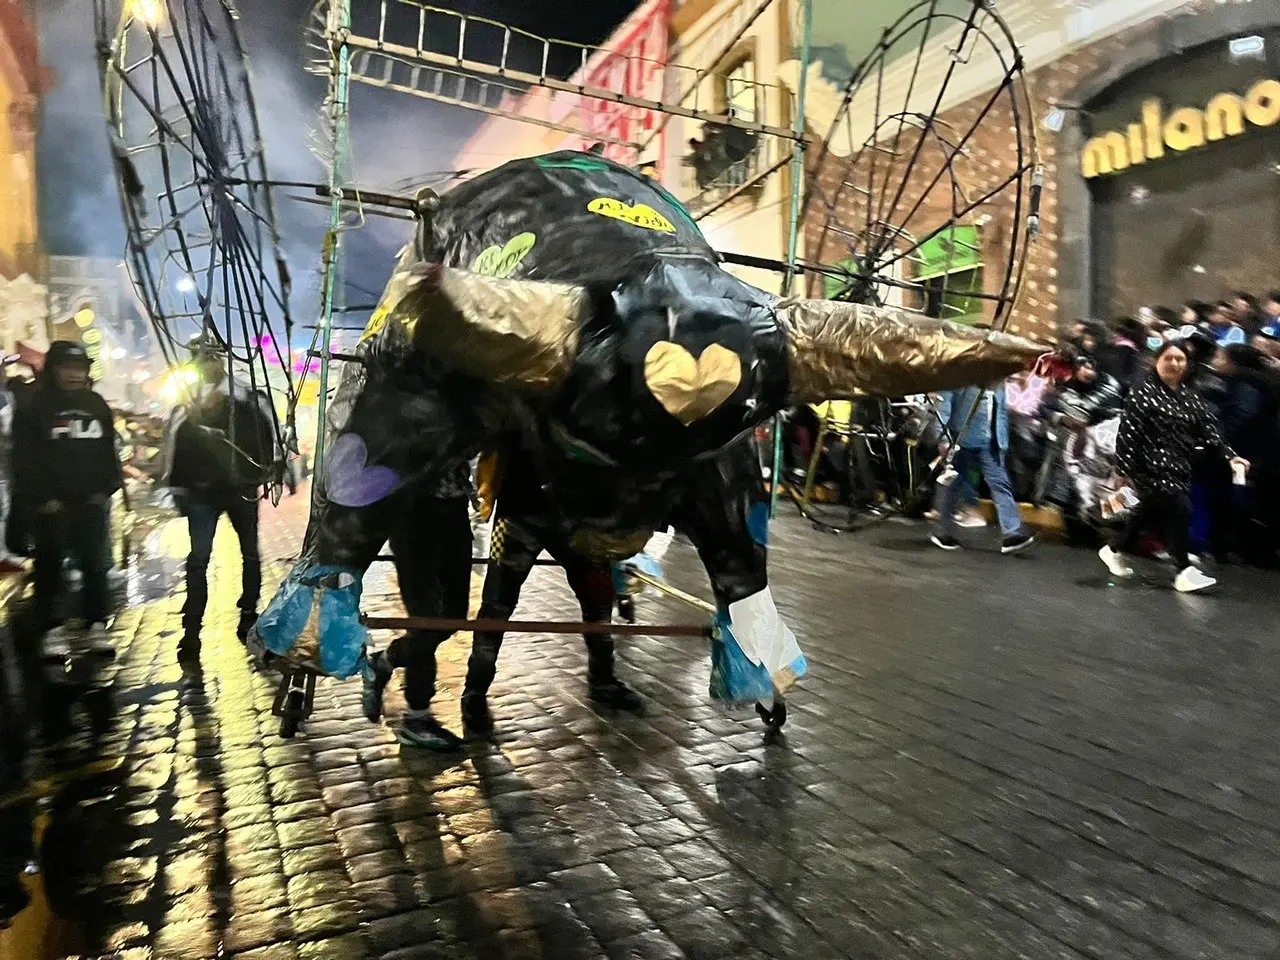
pixel 397 138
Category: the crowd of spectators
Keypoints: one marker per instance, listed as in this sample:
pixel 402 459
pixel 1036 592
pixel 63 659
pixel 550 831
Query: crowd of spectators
pixel 1064 427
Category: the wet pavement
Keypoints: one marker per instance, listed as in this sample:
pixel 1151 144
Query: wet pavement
pixel 991 758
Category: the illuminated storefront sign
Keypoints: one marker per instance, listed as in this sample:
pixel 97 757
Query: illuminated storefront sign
pixel 1225 115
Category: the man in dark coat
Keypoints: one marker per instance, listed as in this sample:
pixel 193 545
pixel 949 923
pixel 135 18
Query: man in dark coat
pixel 66 470
pixel 221 450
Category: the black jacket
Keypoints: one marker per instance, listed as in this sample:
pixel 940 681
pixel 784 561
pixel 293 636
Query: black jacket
pixel 1090 403
pixel 1249 411
pixel 1159 433
pixel 222 455
pixel 64 447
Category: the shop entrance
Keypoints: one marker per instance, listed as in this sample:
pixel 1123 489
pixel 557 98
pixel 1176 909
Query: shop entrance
pixel 1189 224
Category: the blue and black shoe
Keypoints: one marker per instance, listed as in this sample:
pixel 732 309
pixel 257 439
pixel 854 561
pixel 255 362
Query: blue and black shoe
pixel 420 729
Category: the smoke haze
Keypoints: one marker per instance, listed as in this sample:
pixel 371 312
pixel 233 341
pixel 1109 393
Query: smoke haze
pixel 396 139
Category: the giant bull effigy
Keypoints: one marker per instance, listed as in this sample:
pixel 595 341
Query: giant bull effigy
pixel 573 304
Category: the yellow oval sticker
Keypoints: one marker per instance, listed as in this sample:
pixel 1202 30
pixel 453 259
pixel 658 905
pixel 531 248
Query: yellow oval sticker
pixel 641 215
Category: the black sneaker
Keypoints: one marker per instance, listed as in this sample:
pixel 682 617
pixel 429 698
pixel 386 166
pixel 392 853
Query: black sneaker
pixel 424 730
pixel 376 675
pixel 248 620
pixel 189 646
pixel 475 712
pixel 944 542
pixel 1017 542
pixel 616 694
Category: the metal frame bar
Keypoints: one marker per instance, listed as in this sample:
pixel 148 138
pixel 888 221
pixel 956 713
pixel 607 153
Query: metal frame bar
pixel 570 628
pixel 458 62
pixel 793 236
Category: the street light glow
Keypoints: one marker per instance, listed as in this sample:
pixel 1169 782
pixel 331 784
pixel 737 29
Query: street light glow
pixel 150 12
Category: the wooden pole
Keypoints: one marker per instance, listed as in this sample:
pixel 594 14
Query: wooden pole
pixel 446 625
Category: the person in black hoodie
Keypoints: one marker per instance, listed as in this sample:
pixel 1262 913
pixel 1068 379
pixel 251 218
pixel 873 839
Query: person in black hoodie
pixel 221 449
pixel 65 471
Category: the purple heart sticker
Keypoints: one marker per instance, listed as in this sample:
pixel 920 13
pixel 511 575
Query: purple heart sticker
pixel 350 482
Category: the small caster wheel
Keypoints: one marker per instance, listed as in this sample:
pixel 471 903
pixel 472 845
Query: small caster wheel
pixel 627 609
pixel 775 717
pixel 293 713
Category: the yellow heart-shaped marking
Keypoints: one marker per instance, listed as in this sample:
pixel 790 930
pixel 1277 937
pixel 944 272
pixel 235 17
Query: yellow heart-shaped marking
pixel 502 261
pixel 691 389
pixel 641 215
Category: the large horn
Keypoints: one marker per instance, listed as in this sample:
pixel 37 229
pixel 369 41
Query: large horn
pixel 515 332
pixel 845 349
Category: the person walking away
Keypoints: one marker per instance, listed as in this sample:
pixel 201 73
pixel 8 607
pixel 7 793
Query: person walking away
pixel 1163 423
pixel 432 545
pixel 984 441
pixel 221 450
pixel 66 470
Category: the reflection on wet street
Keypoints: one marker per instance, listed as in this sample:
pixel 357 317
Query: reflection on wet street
pixel 990 760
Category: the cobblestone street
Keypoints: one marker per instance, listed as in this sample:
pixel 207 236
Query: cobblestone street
pixel 991 758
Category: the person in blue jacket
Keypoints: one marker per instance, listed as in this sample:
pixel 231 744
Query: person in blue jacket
pixel 982 435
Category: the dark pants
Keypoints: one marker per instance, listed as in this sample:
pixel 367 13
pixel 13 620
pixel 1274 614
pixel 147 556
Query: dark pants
pixel 432 546
pixel 1168 516
pixel 81 532
pixel 514 547
pixel 202 524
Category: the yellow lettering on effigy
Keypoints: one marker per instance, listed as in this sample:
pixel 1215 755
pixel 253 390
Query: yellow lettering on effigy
pixel 640 215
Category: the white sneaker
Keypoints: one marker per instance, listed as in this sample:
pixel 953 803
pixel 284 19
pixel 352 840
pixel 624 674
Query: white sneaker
pixel 970 521
pixel 1192 579
pixel 1115 562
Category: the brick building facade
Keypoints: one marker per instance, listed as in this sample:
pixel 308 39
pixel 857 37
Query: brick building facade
pixel 1064 265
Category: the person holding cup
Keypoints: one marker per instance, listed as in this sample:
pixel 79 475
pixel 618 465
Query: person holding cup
pixel 1163 423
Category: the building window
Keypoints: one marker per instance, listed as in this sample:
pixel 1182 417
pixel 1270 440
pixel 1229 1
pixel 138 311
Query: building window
pixel 726 158
pixel 741 94
pixel 948 268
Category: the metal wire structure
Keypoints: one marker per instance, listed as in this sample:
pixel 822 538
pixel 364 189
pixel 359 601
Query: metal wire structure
pixel 907 210
pixel 878 212
pixel 202 246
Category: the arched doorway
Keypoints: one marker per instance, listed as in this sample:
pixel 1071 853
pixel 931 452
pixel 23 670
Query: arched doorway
pixel 1172 189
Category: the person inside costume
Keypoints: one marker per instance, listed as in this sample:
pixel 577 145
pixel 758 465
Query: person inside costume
pixel 526 521
pixel 432 547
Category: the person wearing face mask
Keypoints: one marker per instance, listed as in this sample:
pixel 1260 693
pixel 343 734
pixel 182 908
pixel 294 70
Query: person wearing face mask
pixel 220 449
pixel 1163 423
pixel 66 470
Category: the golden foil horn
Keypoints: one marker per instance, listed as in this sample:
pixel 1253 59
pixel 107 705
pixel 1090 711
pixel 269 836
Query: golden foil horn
pixel 845 349
pixel 516 332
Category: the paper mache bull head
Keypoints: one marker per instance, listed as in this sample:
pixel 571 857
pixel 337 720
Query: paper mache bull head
pixel 573 307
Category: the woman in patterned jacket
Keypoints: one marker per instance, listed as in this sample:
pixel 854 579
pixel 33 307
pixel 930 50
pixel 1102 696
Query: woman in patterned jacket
pixel 1163 424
